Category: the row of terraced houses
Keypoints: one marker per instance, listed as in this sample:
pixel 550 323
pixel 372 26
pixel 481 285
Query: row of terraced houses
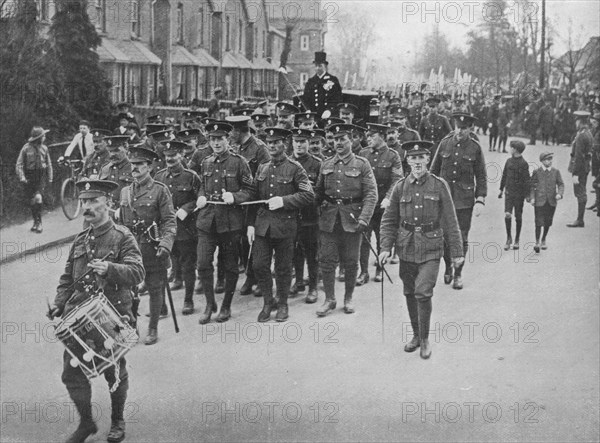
pixel 172 51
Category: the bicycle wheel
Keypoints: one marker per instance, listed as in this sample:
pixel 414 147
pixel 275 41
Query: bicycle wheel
pixel 69 199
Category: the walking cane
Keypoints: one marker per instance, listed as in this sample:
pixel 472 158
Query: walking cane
pixel 365 238
pixel 170 297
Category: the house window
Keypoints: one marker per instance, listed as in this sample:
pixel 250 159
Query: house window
pixel 180 23
pixel 42 10
pixel 304 42
pixel 201 26
pixel 264 44
pixel 303 78
pixel 227 33
pixel 181 84
pixel 135 17
pixel 101 15
pixel 255 42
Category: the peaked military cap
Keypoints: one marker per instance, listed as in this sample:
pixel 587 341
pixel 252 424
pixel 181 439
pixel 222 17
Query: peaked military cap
pixel 238 121
pixel 277 133
pixel 99 134
pixel 301 133
pixel 332 121
pixel 433 101
pixel 308 115
pixel 379 129
pixel 116 141
pixel 162 136
pixel 317 133
pixel 340 129
pixel 155 127
pixel 347 107
pixel 218 128
pixel 244 112
pixel 187 134
pixel 463 118
pixel 417 147
pixel 581 115
pixel 207 120
pixel 95 188
pixel 258 117
pixel 154 119
pixel 141 154
pixel 173 146
pixel 286 108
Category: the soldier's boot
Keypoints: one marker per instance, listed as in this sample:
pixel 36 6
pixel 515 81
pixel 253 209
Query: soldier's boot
pixel 199 287
pixel 413 313
pixel 246 288
pixel 83 403
pixel 312 296
pixel 151 337
pixel 580 212
pixel 362 279
pixel 34 217
pixel 424 307
pixel 117 422
pixel 327 306
pixel 341 274
pixel 177 284
pixel 220 286
pixel 211 304
pixel 448 273
pixel 225 312
pixel 268 306
pixel 188 301
pixel 378 274
pixel 282 309
pixel 348 305
pixel 457 283
pixel 39 218
pixel 298 287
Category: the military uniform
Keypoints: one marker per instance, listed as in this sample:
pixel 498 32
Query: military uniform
pixel 387 169
pixel 120 173
pixel 462 165
pixel 434 128
pixel 307 244
pixel 125 270
pixel 94 163
pixel 580 165
pixel 201 153
pixel 221 225
pixel 276 230
pixel 183 185
pixel 141 205
pixel 347 191
pixel 406 135
pixel 418 222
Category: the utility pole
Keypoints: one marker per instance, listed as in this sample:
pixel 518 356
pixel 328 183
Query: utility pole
pixel 543 46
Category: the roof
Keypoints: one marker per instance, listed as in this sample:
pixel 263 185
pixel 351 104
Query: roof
pixel 243 61
pixel 109 53
pixel 277 32
pixel 205 58
pixel 261 63
pixel 229 61
pixel 137 52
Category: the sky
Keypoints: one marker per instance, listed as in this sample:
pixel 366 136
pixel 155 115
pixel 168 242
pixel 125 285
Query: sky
pixel 400 25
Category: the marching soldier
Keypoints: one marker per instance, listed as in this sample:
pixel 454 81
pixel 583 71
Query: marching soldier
pixel 347 111
pixel 317 143
pixel 116 275
pixel 225 183
pixel 387 169
pixel 493 125
pixel 260 122
pixel 146 208
pixel 118 169
pixel 307 243
pixel 460 162
pixel 405 134
pixel 580 164
pixel 286 114
pixel 434 127
pixel 183 184
pixel 419 220
pixel 306 120
pixel 255 152
pixel 190 138
pixel 285 187
pixel 347 192
pixel 93 164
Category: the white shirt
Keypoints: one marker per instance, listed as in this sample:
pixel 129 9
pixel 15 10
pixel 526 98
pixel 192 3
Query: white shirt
pixel 89 145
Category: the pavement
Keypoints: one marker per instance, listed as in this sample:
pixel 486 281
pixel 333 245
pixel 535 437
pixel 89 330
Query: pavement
pixel 515 353
pixel 18 241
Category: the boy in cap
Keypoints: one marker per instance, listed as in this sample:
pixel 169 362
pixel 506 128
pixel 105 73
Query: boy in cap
pixel 515 179
pixel 547 187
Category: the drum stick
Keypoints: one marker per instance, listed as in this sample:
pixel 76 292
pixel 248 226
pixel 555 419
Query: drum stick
pixel 257 202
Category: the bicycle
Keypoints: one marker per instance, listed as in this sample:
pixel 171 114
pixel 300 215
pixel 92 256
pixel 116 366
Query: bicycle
pixel 69 194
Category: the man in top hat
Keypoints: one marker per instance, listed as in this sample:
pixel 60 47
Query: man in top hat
pixel 116 275
pixel 347 192
pixel 307 242
pixel 284 186
pixel 434 127
pixel 118 168
pixel 94 163
pixel 579 166
pixel 459 161
pixel 214 105
pixel 34 167
pixel 183 185
pixel 322 91
pixel 347 112
pixel 255 152
pixel 225 182
pixel 82 144
pixel 146 208
pixel 419 220
pixel 387 169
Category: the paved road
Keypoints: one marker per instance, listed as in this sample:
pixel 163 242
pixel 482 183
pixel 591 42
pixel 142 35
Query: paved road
pixel 515 355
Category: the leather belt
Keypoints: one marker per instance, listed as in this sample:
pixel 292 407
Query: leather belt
pixel 343 201
pixel 426 227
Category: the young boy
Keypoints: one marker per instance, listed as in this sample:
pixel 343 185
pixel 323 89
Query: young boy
pixel 515 178
pixel 547 187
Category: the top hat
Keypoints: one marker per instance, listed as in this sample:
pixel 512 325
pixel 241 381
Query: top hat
pixel 320 57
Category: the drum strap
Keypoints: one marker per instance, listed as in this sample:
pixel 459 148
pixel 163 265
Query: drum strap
pixel 100 282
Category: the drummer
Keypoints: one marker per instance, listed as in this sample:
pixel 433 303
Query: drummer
pixel 110 254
